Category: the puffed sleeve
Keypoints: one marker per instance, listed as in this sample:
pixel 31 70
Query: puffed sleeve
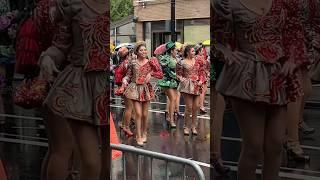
pixel 293 34
pixel 165 62
pixel 202 70
pixel 222 25
pixel 129 74
pixel 61 13
pixel 156 68
pixel 179 70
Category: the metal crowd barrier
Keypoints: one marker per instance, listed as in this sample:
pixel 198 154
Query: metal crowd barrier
pixel 154 155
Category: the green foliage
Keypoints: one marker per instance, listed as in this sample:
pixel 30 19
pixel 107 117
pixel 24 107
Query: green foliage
pixel 120 9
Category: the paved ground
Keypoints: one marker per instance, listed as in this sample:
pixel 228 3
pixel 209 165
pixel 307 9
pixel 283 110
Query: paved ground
pixel 23 145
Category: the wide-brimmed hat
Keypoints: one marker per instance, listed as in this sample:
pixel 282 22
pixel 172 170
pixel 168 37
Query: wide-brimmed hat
pixel 170 45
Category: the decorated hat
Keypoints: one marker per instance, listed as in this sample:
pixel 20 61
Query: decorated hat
pixel 170 45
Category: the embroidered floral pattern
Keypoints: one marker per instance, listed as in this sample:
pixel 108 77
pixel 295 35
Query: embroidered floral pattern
pixel 192 77
pixel 139 89
pixel 95 34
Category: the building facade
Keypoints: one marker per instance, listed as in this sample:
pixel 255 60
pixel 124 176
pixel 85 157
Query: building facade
pixel 123 31
pixel 153 21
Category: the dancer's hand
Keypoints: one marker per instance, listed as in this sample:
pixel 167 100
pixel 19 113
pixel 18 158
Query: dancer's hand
pixel 148 78
pixel 48 68
pixel 125 83
pixel 288 68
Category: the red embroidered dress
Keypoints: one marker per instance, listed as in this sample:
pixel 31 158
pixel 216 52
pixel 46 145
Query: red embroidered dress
pixel 191 78
pixel 120 73
pixel 264 43
pixel 80 90
pixel 138 89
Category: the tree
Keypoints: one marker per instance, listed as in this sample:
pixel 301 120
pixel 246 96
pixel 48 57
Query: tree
pixel 120 9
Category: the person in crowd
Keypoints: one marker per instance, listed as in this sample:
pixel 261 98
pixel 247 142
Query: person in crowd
pixel 263 59
pixel 78 99
pixel 120 73
pixel 201 55
pixel 169 83
pixel 192 76
pixel 138 88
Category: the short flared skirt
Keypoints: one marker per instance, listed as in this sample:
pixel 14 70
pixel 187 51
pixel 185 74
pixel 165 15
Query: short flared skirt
pixel 168 83
pixel 258 82
pixel 80 95
pixel 188 86
pixel 139 92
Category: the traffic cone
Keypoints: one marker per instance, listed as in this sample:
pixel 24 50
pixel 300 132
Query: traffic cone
pixel 3 175
pixel 114 139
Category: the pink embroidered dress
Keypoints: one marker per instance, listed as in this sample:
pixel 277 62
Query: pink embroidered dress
pixel 80 90
pixel 192 77
pixel 264 43
pixel 138 89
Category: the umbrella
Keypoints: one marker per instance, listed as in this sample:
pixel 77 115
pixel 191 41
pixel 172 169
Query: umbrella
pixel 160 49
pixel 206 43
pixel 127 45
pixel 178 45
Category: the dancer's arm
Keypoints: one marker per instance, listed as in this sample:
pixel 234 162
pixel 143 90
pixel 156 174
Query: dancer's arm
pixel 179 71
pixel 223 33
pixel 156 68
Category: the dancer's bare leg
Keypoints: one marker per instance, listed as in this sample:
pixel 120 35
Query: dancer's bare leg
pixel 252 120
pixel 145 114
pixel 195 109
pixel 218 112
pixel 177 107
pixel 61 146
pixel 138 117
pixel 273 141
pixel 171 94
pixel 87 139
pixel 188 99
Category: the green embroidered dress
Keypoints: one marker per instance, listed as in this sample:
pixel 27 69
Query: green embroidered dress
pixel 168 64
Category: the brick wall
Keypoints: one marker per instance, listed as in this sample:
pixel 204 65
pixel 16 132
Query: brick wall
pixel 161 10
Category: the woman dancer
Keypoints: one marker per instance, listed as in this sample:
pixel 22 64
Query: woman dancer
pixel 169 82
pixel 121 71
pixel 78 97
pixel 295 109
pixel 202 56
pixel 192 76
pixel 260 77
pixel 140 91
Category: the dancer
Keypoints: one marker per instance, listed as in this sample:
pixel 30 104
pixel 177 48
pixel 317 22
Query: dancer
pixel 260 77
pixel 296 109
pixel 201 55
pixel 140 91
pixel 169 82
pixel 120 73
pixel 78 98
pixel 191 74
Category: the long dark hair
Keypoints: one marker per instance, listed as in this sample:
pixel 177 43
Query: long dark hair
pixel 186 50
